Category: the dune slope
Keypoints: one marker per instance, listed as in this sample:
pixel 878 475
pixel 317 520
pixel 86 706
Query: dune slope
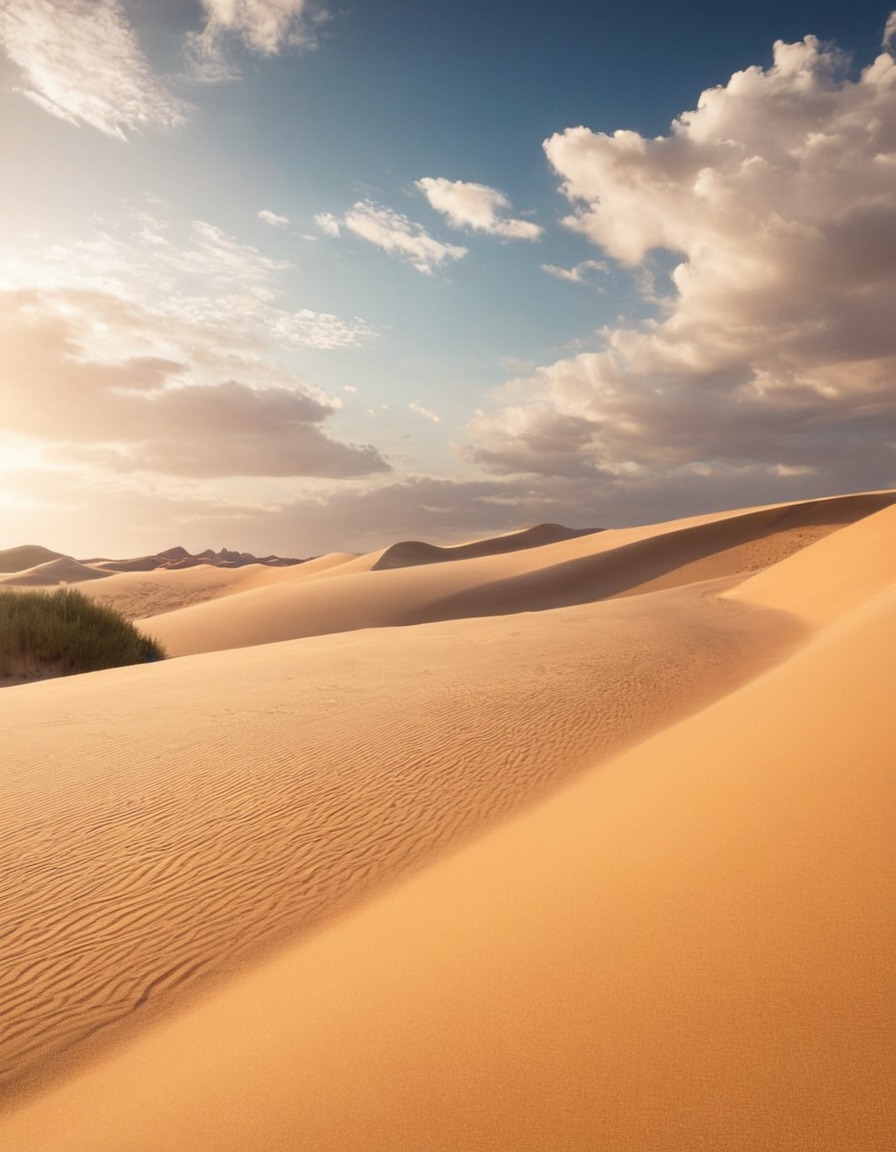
pixel 689 948
pixel 162 822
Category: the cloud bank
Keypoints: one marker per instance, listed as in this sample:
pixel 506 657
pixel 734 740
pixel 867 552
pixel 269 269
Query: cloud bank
pixel 175 414
pixel 476 207
pixel 81 63
pixel 774 350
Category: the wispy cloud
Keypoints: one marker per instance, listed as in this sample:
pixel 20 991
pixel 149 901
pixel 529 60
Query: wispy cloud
pixel 328 224
pixel 416 406
pixel 81 62
pixel 579 273
pixel 202 276
pixel 400 237
pixel 265 27
pixel 889 37
pixel 774 352
pixel 319 330
pixel 273 218
pixel 476 207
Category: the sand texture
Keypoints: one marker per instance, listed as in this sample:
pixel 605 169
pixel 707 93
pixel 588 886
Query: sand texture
pixel 595 851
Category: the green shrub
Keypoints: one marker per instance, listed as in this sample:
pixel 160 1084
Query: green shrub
pixel 64 632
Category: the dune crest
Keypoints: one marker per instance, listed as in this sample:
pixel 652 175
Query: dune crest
pixel 413 552
pixel 62 570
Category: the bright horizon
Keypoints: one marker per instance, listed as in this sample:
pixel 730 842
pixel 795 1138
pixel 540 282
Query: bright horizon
pixel 286 277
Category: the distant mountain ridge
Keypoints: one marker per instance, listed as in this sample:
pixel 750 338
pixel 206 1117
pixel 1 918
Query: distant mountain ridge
pixel 34 564
pixel 178 557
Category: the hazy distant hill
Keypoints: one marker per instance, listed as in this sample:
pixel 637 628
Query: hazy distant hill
pixel 25 556
pixel 33 564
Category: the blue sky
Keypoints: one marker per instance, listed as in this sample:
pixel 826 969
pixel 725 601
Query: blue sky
pixel 298 277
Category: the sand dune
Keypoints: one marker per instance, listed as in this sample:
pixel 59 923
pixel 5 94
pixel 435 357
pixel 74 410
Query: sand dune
pixel 577 570
pixel 62 570
pixel 613 874
pixel 214 803
pixel 25 556
pixel 412 552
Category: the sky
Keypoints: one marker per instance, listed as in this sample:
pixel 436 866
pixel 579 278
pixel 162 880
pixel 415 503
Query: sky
pixel 295 276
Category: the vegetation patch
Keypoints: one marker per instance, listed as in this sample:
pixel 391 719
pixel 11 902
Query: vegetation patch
pixel 61 633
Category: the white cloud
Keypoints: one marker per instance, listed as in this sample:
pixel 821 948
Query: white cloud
pixel 475 206
pixel 328 224
pixel 204 278
pixel 265 27
pixel 319 330
pixel 577 274
pixel 416 406
pixel 889 35
pixel 82 63
pixel 272 218
pixel 775 349
pixel 399 236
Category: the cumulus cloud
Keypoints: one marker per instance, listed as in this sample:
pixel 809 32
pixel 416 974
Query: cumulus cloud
pixel 577 274
pixel 476 207
pixel 774 350
pixel 400 237
pixel 272 218
pixel 148 412
pixel 81 62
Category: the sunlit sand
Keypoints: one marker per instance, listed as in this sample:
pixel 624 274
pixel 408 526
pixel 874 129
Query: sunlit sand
pixel 554 841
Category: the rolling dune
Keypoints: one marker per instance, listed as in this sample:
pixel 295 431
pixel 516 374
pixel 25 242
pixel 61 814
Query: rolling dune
pixel 211 804
pixel 63 570
pixel 577 570
pixel 554 871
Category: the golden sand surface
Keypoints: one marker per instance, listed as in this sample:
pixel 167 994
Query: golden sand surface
pixel 617 873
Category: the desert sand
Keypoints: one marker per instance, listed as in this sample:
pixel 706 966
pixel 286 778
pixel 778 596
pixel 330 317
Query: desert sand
pixel 555 840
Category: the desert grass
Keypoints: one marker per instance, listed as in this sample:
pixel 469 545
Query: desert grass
pixel 63 633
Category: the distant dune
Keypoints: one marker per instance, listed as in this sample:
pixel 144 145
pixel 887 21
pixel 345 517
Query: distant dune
pixel 63 570
pixel 21 561
pixel 412 552
pixel 27 556
pixel 593 851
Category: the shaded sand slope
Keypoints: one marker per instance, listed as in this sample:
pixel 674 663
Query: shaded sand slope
pixel 711 548
pixel 691 948
pixel 574 571
pixel 413 552
pixel 163 823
